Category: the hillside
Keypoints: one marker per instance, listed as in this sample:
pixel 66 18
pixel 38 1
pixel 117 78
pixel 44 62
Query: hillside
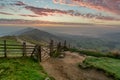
pixel 59 68
pixel 110 66
pixel 113 36
pixel 35 36
pixel 17 69
pixel 14 66
pixel 105 42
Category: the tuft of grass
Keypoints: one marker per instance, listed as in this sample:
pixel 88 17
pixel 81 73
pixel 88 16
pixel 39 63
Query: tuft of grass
pixel 109 65
pixel 21 69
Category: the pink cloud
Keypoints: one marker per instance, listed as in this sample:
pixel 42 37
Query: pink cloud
pixel 19 3
pixel 5 13
pixel 45 11
pixel 28 15
pixel 1 7
pixel 112 6
pixel 8 5
pixel 56 1
pixel 52 12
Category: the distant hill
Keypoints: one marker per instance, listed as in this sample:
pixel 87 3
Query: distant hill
pixel 113 36
pixel 105 43
pixel 35 35
pixel 19 32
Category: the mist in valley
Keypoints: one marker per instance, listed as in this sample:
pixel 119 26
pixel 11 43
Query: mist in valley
pixel 97 37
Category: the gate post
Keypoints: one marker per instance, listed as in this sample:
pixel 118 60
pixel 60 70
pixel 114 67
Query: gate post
pixel 24 49
pixel 59 47
pixel 51 47
pixel 5 49
pixel 65 46
pixel 39 54
pixel 69 46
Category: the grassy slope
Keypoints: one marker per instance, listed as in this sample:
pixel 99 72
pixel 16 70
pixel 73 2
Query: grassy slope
pixel 9 40
pixel 21 69
pixel 109 65
pixel 96 53
pixel 12 41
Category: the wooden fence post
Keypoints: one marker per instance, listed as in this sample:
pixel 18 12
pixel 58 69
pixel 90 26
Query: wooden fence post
pixel 69 46
pixel 65 45
pixel 5 49
pixel 39 54
pixel 24 49
pixel 59 47
pixel 51 47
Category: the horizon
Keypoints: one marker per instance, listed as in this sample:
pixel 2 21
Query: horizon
pixel 85 30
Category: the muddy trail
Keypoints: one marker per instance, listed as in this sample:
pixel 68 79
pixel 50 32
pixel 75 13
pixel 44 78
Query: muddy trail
pixel 67 69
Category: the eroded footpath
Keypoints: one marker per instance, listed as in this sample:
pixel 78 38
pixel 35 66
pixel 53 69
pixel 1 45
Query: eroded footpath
pixel 67 68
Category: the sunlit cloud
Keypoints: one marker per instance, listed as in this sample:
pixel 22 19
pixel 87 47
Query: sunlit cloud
pixel 44 11
pixel 112 6
pixel 27 15
pixel 4 13
pixel 19 3
pixel 53 12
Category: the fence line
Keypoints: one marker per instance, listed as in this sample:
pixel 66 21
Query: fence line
pixel 7 48
pixel 37 51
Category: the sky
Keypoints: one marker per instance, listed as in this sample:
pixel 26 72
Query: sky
pixel 37 12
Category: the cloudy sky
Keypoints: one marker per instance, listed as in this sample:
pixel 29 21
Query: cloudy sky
pixel 57 11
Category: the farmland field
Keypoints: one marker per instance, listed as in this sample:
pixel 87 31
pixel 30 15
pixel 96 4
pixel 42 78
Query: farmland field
pixel 109 65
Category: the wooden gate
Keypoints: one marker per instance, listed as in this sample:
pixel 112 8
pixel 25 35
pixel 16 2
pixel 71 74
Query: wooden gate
pixel 41 53
pixel 45 51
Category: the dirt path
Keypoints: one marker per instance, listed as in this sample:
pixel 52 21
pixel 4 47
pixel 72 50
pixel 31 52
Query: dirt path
pixel 67 69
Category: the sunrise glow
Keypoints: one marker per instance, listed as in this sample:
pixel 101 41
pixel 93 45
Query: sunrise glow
pixel 57 11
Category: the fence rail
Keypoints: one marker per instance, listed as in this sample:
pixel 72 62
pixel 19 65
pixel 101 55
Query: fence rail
pixel 37 51
pixel 14 49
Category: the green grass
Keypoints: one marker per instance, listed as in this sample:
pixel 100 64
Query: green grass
pixel 109 65
pixel 94 53
pixel 89 53
pixel 10 40
pixel 21 69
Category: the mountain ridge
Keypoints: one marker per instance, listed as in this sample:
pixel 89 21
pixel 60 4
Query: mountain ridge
pixel 35 35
